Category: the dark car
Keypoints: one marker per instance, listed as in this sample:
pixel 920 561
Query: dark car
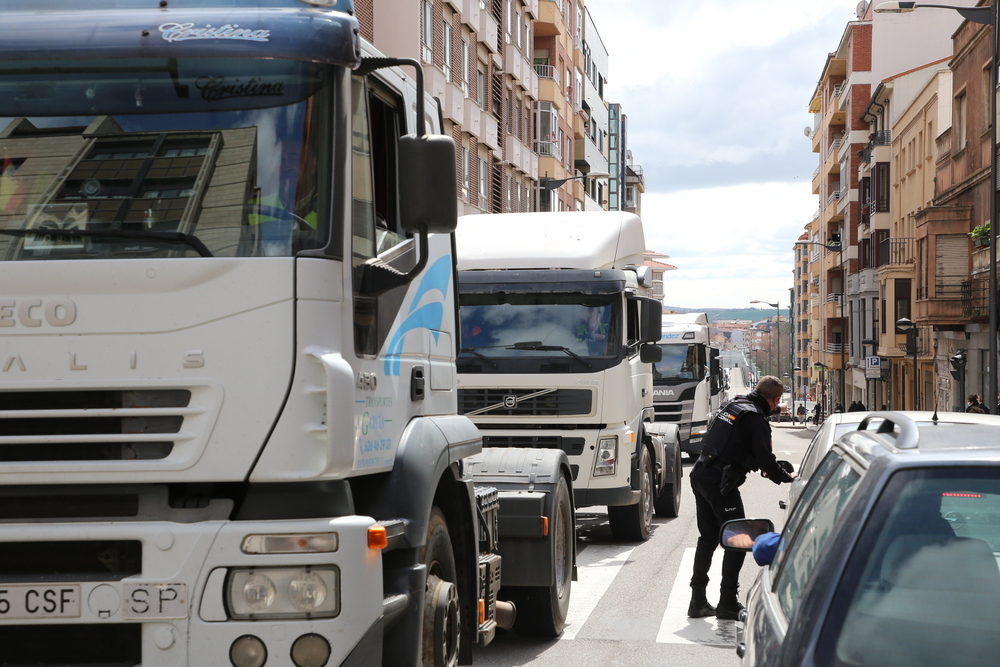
pixel 890 556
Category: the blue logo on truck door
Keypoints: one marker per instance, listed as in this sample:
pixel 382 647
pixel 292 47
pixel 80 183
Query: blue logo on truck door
pixel 429 316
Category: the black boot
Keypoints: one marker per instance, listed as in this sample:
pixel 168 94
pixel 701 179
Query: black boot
pixel 729 606
pixel 699 607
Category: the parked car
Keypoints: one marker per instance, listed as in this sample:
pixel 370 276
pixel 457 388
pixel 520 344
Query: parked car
pixel 890 556
pixel 839 423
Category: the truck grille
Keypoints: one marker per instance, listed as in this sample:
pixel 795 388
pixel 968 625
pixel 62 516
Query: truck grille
pixel 92 425
pixel 572 446
pixel 525 402
pixel 57 645
pixel 90 560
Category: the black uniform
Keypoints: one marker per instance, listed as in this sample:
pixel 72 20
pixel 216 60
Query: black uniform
pixel 737 442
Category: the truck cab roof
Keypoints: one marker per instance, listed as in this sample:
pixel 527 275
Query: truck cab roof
pixel 562 240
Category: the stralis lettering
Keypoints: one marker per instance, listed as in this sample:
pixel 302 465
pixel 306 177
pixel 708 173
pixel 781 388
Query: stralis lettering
pixel 180 32
pixel 214 88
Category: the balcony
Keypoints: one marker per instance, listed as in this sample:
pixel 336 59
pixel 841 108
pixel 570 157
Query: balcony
pixel 976 299
pixel 545 72
pixel 896 251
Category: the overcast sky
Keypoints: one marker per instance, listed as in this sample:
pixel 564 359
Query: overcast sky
pixel 717 95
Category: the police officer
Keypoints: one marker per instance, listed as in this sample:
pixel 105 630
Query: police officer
pixel 738 441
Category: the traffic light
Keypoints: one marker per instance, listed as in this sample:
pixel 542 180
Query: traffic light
pixel 958 365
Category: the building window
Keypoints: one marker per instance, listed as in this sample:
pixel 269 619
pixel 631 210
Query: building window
pixel 465 66
pixel 465 173
pixel 428 36
pixel 960 129
pixel 902 294
pixel 446 32
pixel 483 180
pixel 481 85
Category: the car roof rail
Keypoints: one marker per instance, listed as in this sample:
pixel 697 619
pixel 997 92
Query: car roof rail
pixel 909 433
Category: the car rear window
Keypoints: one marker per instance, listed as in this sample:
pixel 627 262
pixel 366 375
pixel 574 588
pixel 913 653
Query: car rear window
pixel 922 586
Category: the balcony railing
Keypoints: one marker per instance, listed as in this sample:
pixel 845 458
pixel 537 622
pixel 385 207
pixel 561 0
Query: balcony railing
pixel 975 298
pixel 882 138
pixel 545 71
pixel 896 251
pixel 834 196
pixel 546 148
pixel 833 297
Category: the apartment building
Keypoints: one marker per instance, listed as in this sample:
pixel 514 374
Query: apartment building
pixel 853 218
pixel 521 85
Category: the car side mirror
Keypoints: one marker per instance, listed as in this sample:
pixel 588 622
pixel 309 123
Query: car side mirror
pixel 739 534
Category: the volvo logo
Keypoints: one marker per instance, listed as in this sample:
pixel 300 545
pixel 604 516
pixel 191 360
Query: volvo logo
pixel 510 402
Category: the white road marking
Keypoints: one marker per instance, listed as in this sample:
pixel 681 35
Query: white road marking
pixel 676 627
pixel 597 567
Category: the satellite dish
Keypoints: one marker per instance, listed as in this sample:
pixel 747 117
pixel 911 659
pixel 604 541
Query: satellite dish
pixel 861 9
pixel 808 131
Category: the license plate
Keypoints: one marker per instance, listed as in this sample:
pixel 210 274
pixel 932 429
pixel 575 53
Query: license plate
pixel 39 601
pixel 154 601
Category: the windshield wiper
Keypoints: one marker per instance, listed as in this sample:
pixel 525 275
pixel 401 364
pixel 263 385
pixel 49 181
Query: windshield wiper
pixel 120 235
pixel 480 355
pixel 537 345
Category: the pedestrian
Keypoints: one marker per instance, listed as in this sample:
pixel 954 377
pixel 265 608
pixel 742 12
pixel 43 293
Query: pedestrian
pixel 861 407
pixel 802 413
pixel 817 414
pixel 839 408
pixel 853 407
pixel 975 405
pixel 738 441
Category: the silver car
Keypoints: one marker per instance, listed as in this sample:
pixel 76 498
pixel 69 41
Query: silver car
pixel 837 424
pixel 889 557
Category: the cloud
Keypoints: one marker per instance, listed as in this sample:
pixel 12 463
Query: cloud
pixel 718 94
pixel 730 244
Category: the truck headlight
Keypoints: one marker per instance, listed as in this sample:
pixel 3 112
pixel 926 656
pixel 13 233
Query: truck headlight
pixel 607 456
pixel 283 592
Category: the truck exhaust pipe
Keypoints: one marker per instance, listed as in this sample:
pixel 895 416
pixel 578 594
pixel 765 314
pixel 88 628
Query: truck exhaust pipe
pixel 506 614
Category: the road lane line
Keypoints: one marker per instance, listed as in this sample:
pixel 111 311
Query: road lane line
pixel 597 567
pixel 676 627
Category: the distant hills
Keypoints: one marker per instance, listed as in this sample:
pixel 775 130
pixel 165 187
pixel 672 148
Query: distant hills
pixel 726 314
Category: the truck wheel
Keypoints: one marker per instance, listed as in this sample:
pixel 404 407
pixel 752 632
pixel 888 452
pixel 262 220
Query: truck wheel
pixel 668 501
pixel 541 611
pixel 442 616
pixel 632 523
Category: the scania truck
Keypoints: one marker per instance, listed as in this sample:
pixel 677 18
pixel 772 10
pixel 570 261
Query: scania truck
pixel 558 336
pixel 688 382
pixel 228 326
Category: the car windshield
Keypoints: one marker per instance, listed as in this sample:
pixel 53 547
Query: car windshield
pixel 510 325
pixel 680 362
pixel 161 158
pixel 923 584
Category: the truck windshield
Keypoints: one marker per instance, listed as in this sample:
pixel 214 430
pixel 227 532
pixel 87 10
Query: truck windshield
pixel 515 325
pixel 162 158
pixel 680 362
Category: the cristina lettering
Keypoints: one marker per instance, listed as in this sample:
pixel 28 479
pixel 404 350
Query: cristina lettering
pixel 179 32
pixel 214 88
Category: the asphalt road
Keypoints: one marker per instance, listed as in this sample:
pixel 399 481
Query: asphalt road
pixel 630 602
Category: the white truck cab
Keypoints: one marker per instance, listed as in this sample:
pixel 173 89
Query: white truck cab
pixel 557 327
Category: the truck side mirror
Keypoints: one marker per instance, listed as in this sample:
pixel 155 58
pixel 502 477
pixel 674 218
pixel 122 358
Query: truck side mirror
pixel 650 353
pixel 427 185
pixel 652 320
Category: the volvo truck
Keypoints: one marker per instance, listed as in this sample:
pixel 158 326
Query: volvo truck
pixel 559 334
pixel 228 326
pixel 688 382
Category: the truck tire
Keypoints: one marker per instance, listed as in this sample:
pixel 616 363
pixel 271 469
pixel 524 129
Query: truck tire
pixel 668 501
pixel 541 611
pixel 633 523
pixel 442 612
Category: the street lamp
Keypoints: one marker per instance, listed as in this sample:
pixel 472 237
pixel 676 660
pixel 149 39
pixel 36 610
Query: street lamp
pixel 984 16
pixel 839 249
pixel 548 184
pixel 905 325
pixel 778 320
